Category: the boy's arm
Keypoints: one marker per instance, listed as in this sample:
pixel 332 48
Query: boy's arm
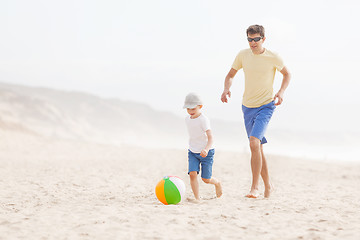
pixel 284 85
pixel 228 82
pixel 210 142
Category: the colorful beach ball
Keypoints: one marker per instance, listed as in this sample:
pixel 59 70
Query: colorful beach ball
pixel 170 190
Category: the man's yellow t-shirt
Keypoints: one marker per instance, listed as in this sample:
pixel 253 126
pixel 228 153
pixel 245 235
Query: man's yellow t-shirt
pixel 259 71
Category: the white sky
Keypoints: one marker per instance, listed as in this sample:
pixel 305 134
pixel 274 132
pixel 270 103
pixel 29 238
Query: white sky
pixel 157 51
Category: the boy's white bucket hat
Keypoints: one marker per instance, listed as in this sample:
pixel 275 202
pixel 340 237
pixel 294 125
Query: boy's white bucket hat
pixel 192 100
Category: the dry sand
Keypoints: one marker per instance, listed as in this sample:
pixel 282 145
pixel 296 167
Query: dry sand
pixel 57 189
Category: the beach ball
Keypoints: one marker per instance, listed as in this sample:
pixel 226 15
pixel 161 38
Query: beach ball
pixel 170 190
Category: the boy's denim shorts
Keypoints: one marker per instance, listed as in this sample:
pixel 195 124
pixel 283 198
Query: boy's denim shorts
pixel 206 163
pixel 257 119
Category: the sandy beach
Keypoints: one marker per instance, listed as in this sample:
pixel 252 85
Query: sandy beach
pixel 92 118
pixel 62 189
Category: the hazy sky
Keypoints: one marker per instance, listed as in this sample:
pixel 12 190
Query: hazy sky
pixel 157 51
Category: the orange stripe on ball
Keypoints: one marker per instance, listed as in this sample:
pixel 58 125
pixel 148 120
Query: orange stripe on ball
pixel 159 190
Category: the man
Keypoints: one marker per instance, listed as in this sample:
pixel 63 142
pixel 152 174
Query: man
pixel 259 102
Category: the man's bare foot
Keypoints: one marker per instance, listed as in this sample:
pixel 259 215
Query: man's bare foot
pixel 253 194
pixel 218 189
pixel 268 191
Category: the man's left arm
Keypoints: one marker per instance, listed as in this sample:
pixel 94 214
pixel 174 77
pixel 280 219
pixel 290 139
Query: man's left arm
pixel 285 83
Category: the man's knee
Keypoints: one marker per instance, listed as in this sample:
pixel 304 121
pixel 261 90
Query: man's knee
pixel 255 143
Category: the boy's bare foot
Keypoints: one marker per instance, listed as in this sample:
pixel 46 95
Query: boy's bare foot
pixel 218 189
pixel 268 191
pixel 253 194
pixel 194 200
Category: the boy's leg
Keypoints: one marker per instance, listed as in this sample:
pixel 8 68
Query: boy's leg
pixel 194 184
pixel 194 168
pixel 217 183
pixel 206 172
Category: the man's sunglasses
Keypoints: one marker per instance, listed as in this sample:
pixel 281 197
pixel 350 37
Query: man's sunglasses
pixel 254 39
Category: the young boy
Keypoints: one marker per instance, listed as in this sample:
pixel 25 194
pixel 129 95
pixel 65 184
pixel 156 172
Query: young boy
pixel 200 146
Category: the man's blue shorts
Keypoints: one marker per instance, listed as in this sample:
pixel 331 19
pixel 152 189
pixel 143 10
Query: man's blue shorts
pixel 206 163
pixel 257 119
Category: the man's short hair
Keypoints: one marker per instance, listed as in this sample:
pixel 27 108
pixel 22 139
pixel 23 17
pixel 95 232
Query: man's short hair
pixel 254 29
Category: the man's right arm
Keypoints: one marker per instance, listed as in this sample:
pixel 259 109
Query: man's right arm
pixel 227 85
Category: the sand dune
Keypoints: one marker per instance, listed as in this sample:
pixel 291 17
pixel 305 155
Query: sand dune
pixel 81 116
